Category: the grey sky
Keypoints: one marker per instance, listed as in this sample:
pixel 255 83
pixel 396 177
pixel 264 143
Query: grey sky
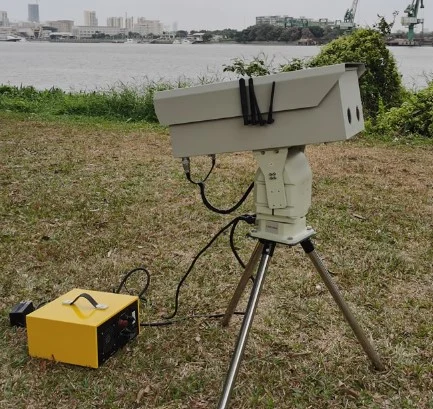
pixel 215 14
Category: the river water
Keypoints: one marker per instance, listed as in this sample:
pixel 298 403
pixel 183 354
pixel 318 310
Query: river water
pixel 75 67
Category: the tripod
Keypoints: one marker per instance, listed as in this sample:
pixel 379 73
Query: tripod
pixel 282 195
pixel 264 250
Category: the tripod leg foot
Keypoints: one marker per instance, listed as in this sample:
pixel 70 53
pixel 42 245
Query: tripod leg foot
pixel 368 347
pixel 267 253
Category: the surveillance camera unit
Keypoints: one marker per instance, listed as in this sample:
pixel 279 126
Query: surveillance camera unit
pixel 299 108
pixel 274 116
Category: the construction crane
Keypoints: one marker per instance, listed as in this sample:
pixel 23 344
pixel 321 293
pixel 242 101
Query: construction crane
pixel 411 20
pixel 349 17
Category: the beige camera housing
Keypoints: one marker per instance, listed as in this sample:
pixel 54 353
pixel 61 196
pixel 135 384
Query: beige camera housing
pixel 310 106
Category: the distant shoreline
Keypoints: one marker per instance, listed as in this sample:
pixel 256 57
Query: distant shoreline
pixel 249 43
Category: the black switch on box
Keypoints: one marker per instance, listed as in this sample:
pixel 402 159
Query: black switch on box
pixel 18 314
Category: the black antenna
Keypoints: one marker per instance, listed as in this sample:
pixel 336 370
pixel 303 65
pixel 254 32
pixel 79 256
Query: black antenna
pixel 244 100
pixel 257 119
pixel 252 101
pixel 271 105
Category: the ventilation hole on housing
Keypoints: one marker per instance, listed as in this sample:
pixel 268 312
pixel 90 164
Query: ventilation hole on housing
pixel 349 115
pixel 358 114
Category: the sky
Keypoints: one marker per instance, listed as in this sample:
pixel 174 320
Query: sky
pixel 211 15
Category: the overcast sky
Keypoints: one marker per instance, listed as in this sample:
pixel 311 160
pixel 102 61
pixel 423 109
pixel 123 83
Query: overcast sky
pixel 206 14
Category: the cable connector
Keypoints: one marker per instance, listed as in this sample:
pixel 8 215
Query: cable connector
pixel 186 166
pixel 249 218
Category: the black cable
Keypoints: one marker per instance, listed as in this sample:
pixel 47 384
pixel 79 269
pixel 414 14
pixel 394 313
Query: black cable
pixel 232 244
pixel 190 317
pixel 201 185
pixel 250 219
pixel 219 211
pixel 41 304
pixel 129 274
pixel 185 276
pixel 186 167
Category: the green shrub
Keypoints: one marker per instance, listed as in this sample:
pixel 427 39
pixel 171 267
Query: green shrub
pixel 381 84
pixel 413 118
pixel 258 67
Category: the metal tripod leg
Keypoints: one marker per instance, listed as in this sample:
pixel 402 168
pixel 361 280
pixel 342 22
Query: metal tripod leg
pixel 308 247
pixel 248 272
pixel 267 253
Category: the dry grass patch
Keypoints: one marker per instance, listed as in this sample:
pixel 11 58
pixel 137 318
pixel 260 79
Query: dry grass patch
pixel 81 204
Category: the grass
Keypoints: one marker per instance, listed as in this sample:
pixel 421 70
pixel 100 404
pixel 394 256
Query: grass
pixel 119 103
pixel 83 202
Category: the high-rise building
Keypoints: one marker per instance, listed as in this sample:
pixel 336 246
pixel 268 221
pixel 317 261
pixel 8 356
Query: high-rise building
pixel 33 13
pixel 129 23
pixel 90 18
pixel 115 22
pixel 4 21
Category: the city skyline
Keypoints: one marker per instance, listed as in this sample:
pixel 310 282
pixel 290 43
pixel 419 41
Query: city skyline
pixel 194 14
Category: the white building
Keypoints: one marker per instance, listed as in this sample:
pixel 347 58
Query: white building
pixel 90 18
pixel 89 31
pixel 129 23
pixel 145 27
pixel 272 20
pixel 4 21
pixel 115 22
pixel 62 26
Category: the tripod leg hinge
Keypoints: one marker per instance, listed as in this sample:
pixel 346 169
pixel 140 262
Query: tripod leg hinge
pixel 268 247
pixel 308 246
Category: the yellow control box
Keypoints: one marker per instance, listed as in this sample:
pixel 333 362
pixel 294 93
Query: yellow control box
pixel 83 327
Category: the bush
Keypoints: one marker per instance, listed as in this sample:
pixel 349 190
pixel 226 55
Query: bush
pixel 256 68
pixel 381 84
pixel 413 118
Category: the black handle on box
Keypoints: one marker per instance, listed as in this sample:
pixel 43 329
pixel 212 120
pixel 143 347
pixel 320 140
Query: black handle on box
pixel 89 298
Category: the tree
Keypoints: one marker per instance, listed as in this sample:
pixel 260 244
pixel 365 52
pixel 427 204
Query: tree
pixel 135 35
pixel 207 37
pixel 330 33
pixel 228 33
pixel 382 82
pixel 285 35
pixel 295 33
pixel 317 31
pixel 384 27
pixel 306 33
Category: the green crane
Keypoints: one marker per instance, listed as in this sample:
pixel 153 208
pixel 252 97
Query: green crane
pixel 349 18
pixel 411 20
